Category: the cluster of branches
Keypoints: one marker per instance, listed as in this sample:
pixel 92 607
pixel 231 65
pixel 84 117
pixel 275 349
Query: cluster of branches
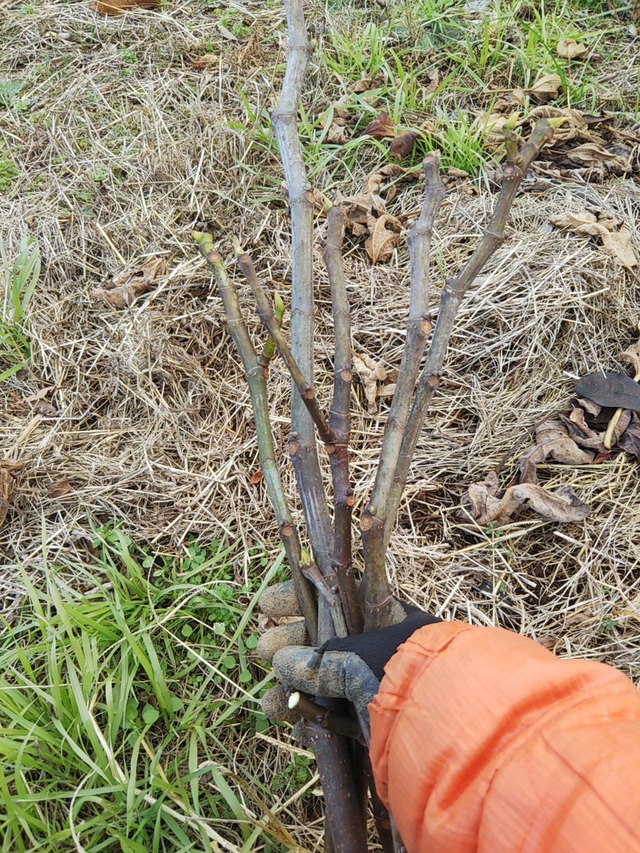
pixel 325 581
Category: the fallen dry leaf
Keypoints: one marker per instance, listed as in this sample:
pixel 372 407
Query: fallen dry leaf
pixel 632 356
pixel 402 145
pixel 361 86
pixel 487 507
pixel 570 49
pixel 59 488
pixel 394 170
pixel 567 123
pixel 9 473
pixel 357 209
pixel 593 155
pixel 337 134
pixel 381 127
pixel 387 390
pixel 370 372
pixel 616 243
pixel 117 7
pixel 552 442
pixel 45 409
pixel 434 81
pixel 629 441
pixel 493 124
pixel 583 433
pixel 124 288
pixel 383 236
pixel 611 390
pixel 207 60
pixel 256 477
pixel 547 88
pixel 366 213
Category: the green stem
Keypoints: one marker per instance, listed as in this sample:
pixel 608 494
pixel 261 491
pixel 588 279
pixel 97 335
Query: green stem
pixel 256 379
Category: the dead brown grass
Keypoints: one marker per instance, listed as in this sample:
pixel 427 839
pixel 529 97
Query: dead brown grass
pixel 119 160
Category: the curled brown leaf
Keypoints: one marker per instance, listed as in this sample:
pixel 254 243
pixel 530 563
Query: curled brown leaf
pixel 571 49
pixel 610 232
pixel 554 443
pixel 486 506
pixel 59 488
pixel 402 145
pixel 381 127
pixel 337 134
pixel 370 373
pixel 383 236
pixel 546 88
pixel 126 286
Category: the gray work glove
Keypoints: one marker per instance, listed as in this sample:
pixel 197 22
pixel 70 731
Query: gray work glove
pixel 343 668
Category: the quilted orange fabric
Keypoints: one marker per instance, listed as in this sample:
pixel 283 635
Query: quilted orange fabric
pixel 484 741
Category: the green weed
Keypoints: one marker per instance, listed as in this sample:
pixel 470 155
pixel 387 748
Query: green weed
pixel 8 173
pixel 9 90
pixel 19 279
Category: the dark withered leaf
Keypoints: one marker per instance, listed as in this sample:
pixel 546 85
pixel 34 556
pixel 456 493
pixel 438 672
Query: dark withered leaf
pixel 615 390
pixel 402 145
pixel 630 439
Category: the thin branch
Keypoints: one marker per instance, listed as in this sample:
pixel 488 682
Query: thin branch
pixel 339 423
pixel 325 717
pixel 344 821
pixel 372 523
pixel 303 447
pixel 380 814
pixel 452 295
pixel 256 380
pixel 269 321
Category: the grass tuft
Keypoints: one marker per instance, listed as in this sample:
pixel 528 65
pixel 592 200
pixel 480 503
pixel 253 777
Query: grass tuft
pixel 19 280
pixel 124 689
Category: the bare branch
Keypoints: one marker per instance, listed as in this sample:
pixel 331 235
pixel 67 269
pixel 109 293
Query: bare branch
pixel 325 717
pixel 328 594
pixel 303 447
pixel 373 520
pixel 340 424
pixel 269 349
pixel 345 829
pixel 345 822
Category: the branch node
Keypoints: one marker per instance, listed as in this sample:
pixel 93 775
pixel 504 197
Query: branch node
pixel 433 381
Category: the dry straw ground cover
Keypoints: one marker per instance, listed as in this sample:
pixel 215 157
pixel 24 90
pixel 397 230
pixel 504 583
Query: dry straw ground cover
pixel 121 135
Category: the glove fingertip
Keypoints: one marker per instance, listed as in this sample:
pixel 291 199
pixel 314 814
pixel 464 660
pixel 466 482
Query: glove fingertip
pixel 290 634
pixel 275 706
pixel 280 599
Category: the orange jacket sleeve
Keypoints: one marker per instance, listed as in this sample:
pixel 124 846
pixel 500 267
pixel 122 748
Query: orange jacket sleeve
pixel 484 741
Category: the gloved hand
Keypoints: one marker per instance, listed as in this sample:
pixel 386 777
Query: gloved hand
pixel 281 602
pixel 349 668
